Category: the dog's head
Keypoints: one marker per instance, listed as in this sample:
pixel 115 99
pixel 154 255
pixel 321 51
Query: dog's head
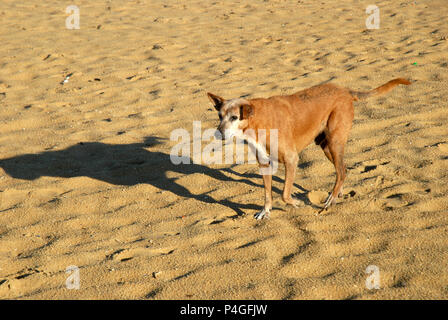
pixel 234 115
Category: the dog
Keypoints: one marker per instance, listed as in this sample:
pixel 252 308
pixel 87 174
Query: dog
pixel 323 114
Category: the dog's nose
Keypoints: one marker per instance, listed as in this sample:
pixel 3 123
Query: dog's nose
pixel 219 135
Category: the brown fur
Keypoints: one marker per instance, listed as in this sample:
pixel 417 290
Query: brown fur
pixel 322 114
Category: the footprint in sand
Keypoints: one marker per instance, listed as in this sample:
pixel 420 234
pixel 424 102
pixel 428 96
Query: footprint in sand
pixel 131 253
pixel 318 197
pixel 443 147
pixel 120 255
pixel 367 166
pixel 394 201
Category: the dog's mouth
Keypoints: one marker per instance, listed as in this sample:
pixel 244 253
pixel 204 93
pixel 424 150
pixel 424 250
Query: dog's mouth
pixel 228 135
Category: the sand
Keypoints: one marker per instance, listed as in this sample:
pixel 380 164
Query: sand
pixel 86 178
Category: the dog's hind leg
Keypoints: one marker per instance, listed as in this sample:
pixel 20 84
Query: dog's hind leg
pixel 339 125
pixel 337 152
pixel 321 141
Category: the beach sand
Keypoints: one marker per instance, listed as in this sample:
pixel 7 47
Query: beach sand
pixel 86 178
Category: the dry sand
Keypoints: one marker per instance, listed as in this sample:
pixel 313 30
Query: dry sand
pixel 85 176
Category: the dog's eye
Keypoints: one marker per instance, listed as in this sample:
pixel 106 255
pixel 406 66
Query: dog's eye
pixel 233 118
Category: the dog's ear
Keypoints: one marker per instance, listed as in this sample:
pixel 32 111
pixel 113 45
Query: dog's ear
pixel 246 110
pixel 216 100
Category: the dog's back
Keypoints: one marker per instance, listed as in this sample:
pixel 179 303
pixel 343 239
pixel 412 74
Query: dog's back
pixel 301 116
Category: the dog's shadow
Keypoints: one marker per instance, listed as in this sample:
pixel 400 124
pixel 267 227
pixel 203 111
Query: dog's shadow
pixel 120 164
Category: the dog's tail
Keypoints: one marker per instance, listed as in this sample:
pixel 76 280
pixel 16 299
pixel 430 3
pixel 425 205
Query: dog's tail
pixel 380 90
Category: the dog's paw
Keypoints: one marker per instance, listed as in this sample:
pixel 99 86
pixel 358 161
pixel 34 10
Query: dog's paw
pixel 330 200
pixel 293 202
pixel 263 214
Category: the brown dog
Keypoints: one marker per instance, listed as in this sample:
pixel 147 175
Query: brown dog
pixel 322 114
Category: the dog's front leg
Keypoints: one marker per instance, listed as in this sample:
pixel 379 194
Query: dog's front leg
pixel 290 173
pixel 267 179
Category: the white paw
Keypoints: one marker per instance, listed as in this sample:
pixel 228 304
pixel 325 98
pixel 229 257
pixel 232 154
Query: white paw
pixel 262 214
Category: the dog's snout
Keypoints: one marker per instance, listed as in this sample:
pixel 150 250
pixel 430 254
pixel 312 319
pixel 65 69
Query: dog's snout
pixel 219 134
